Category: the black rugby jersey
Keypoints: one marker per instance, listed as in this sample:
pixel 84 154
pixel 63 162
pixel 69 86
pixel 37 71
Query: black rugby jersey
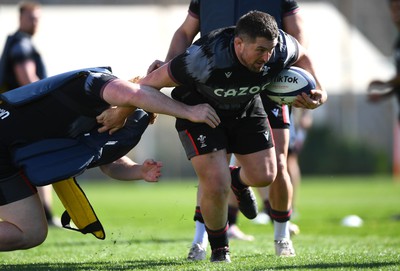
pixel 224 13
pixel 69 110
pixel 19 48
pixel 211 68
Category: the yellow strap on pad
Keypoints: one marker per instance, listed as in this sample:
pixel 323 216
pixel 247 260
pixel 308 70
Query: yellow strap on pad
pixel 78 208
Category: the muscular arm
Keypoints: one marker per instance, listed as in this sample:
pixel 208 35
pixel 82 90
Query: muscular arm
pixel 318 95
pixel 123 93
pixel 125 169
pixel 183 37
pixel 26 72
pixel 294 25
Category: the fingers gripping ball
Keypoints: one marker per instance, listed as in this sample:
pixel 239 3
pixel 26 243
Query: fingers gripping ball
pixel 288 84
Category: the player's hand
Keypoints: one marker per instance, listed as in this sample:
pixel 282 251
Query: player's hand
pixel 151 170
pixel 317 98
pixel 155 65
pixel 204 113
pixel 112 120
pixel 377 85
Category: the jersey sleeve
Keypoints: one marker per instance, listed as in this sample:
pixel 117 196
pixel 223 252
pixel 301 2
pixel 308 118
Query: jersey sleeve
pixel 289 7
pixel 21 51
pixel 194 8
pixel 190 67
pixel 291 46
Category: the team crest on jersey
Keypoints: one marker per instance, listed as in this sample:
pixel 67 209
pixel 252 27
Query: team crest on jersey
pixel 202 140
pixel 265 70
pixel 4 113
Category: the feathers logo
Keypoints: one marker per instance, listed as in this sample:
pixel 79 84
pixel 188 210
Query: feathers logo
pixel 4 113
pixel 202 140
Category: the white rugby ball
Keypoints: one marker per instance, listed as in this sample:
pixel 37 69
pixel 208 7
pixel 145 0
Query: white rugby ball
pixel 289 83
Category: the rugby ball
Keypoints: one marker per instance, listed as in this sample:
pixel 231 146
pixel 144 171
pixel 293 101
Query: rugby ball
pixel 289 83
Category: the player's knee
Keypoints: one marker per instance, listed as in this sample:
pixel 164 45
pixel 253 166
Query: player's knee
pixel 216 191
pixel 264 178
pixel 269 178
pixel 34 237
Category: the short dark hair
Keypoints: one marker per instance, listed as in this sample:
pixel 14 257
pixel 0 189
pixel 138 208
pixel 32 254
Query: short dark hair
pixel 28 5
pixel 256 24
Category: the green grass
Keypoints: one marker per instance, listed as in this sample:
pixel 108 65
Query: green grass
pixel 150 227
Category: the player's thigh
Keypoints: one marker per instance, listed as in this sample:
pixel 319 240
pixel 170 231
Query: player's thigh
pixel 27 214
pixel 20 205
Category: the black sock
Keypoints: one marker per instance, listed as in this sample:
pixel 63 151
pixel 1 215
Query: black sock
pixel 236 182
pixel 218 238
pixel 197 215
pixel 280 216
pixel 232 214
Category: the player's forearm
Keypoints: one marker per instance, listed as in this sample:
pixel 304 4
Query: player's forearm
pixel 155 101
pixel 123 169
pixel 125 94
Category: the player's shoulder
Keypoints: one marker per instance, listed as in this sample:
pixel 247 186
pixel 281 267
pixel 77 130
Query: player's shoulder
pixel 21 45
pixel 217 45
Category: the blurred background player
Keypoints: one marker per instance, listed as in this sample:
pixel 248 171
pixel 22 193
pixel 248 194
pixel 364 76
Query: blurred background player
pixel 382 89
pixel 22 64
pixel 205 16
pixel 378 89
pixel 301 121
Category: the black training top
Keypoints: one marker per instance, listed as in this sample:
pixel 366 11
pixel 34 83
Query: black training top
pixel 210 66
pixel 60 106
pixel 223 13
pixel 19 48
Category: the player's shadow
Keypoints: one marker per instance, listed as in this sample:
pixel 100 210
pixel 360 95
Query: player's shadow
pixel 174 265
pixel 118 241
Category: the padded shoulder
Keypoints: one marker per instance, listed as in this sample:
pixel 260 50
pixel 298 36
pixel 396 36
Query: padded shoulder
pixel 34 91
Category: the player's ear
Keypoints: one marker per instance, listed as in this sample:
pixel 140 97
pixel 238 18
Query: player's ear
pixel 238 42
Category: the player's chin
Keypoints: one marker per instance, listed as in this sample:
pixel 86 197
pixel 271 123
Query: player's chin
pixel 258 67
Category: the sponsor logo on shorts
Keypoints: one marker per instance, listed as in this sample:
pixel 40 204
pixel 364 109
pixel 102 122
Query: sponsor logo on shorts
pixel 4 113
pixel 202 140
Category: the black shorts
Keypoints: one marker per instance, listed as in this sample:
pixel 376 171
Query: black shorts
pixel 244 135
pixel 14 188
pixel 278 115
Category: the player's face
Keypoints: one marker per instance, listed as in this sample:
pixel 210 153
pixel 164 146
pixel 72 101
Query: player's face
pixel 29 20
pixel 395 11
pixel 254 54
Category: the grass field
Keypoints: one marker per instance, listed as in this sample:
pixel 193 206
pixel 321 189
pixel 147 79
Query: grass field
pixel 150 227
